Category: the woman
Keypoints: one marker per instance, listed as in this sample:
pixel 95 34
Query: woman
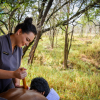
pixel 11 52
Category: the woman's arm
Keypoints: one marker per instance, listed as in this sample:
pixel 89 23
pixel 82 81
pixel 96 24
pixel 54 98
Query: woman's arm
pixel 19 73
pixel 4 74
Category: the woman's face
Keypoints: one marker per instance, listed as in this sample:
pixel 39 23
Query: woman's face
pixel 24 39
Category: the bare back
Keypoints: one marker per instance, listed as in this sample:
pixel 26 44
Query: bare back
pixel 22 94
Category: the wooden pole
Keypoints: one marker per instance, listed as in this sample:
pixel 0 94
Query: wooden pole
pixel 24 83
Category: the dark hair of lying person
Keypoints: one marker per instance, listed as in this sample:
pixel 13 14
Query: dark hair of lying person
pixel 41 85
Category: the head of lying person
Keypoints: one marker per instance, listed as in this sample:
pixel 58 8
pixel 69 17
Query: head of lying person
pixel 40 85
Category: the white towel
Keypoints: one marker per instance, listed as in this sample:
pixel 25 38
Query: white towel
pixel 53 95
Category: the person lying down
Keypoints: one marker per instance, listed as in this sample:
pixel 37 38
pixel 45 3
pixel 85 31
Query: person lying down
pixel 39 90
pixel 21 94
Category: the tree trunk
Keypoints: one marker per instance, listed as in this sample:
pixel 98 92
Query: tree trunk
pixel 82 31
pixel 31 55
pixel 56 36
pixel 99 28
pixel 26 48
pixel 66 40
pixel 66 48
pixel 52 45
pixel 9 27
pixel 9 20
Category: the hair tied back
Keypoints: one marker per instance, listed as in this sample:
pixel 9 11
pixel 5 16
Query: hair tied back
pixel 28 20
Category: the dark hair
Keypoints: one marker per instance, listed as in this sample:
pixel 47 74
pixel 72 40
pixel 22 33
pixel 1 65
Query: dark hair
pixel 41 85
pixel 26 26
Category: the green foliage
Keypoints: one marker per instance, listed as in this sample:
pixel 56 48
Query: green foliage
pixel 81 81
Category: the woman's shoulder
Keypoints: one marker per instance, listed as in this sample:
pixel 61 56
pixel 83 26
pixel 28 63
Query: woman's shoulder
pixel 1 41
pixel 2 38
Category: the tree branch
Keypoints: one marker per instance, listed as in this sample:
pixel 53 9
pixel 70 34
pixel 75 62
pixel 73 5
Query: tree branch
pixel 42 8
pixel 2 31
pixel 75 15
pixel 11 15
pixel 71 39
pixel 46 12
pixel 57 10
pixel 81 5
pixel 4 24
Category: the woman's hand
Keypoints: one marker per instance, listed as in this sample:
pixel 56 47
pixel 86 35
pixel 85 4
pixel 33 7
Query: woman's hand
pixel 20 73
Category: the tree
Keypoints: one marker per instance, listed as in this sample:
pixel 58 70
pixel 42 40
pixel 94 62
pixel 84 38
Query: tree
pixel 12 13
pixel 39 30
pixel 42 11
pixel 66 51
pixel 82 9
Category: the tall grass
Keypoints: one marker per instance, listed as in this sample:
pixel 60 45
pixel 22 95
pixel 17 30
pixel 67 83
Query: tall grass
pixel 81 81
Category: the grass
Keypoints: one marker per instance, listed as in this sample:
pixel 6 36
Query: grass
pixel 81 81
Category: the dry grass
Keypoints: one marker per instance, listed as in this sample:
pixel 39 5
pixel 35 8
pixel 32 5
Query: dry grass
pixel 81 82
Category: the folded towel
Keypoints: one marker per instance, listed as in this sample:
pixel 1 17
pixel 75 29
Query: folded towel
pixel 53 95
